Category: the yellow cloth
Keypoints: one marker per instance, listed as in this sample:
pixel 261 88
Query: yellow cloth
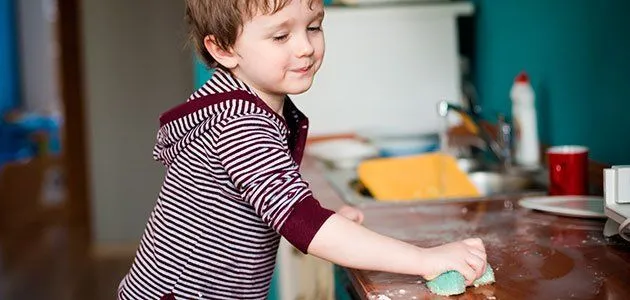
pixel 426 176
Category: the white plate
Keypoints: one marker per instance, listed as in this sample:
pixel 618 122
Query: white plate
pixel 343 153
pixel 572 206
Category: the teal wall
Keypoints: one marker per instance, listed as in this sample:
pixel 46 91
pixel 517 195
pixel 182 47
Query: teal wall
pixel 577 53
pixel 202 73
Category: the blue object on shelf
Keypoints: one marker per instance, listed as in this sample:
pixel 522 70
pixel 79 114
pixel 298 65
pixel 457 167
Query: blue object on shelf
pixel 49 124
pixel 15 137
pixel 14 143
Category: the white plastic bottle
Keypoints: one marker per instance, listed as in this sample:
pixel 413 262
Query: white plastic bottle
pixel 526 144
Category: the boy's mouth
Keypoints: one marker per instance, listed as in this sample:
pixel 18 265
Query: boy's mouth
pixel 303 69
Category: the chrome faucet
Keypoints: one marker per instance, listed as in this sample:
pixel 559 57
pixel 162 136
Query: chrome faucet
pixel 499 147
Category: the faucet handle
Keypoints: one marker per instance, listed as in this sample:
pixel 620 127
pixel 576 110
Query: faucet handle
pixel 503 126
pixel 504 138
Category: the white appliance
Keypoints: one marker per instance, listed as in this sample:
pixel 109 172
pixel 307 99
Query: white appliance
pixel 617 198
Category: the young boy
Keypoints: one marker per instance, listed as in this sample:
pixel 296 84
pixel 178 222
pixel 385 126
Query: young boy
pixel 232 185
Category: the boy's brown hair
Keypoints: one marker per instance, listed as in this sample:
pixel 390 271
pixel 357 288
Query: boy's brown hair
pixel 224 19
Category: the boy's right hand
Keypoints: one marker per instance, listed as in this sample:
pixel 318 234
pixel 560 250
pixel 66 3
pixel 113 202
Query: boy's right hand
pixel 351 213
pixel 468 257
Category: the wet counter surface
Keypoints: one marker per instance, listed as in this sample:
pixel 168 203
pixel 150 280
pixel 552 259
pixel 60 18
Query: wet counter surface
pixel 535 255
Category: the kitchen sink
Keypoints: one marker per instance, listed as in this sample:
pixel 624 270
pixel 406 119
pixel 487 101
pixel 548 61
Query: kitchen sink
pixel 489 182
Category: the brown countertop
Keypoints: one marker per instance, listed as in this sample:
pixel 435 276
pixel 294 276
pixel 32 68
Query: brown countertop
pixel 535 255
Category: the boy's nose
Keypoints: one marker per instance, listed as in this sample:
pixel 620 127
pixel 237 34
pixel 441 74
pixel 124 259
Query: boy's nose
pixel 304 47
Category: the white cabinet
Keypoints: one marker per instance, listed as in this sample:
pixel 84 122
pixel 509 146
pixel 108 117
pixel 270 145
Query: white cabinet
pixel 303 277
pixel 385 66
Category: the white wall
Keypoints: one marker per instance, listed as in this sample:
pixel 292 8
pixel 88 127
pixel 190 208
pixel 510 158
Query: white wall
pixel 136 67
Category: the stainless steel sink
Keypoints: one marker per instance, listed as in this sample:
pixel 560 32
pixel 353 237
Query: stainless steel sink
pixel 489 183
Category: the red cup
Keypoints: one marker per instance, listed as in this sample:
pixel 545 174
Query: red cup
pixel 568 170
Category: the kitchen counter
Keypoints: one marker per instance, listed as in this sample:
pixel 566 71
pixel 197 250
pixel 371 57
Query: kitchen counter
pixel 535 255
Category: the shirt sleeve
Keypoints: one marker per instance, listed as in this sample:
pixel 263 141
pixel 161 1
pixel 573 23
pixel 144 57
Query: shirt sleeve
pixel 259 164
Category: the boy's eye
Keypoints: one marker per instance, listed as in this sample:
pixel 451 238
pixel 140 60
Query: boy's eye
pixel 280 37
pixel 314 28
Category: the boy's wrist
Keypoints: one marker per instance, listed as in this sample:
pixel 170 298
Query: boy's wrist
pixel 424 264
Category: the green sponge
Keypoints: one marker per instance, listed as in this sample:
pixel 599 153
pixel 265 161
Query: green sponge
pixel 486 278
pixel 454 283
pixel 448 283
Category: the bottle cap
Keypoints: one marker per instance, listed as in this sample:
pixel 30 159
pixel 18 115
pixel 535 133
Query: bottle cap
pixel 522 78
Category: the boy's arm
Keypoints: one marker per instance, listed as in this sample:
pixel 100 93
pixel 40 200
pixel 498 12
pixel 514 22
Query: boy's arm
pixel 345 243
pixel 251 150
pixel 348 244
pixel 253 155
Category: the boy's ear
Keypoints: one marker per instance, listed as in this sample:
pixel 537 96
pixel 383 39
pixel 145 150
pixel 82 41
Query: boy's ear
pixel 225 58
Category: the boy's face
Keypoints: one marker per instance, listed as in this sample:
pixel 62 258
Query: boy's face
pixel 279 54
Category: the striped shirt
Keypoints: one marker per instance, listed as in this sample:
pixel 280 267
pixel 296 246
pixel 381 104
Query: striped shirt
pixel 232 188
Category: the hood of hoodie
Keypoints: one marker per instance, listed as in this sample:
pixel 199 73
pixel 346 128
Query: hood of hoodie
pixel 180 125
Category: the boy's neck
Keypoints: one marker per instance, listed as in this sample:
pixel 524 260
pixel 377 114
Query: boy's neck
pixel 274 101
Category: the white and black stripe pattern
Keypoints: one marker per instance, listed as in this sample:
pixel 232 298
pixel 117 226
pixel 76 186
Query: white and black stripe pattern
pixel 231 185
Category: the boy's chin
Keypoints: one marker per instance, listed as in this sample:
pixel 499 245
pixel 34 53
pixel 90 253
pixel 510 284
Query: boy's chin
pixel 299 88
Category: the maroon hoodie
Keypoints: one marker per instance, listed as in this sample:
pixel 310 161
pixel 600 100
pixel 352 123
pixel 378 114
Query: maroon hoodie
pixel 232 188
